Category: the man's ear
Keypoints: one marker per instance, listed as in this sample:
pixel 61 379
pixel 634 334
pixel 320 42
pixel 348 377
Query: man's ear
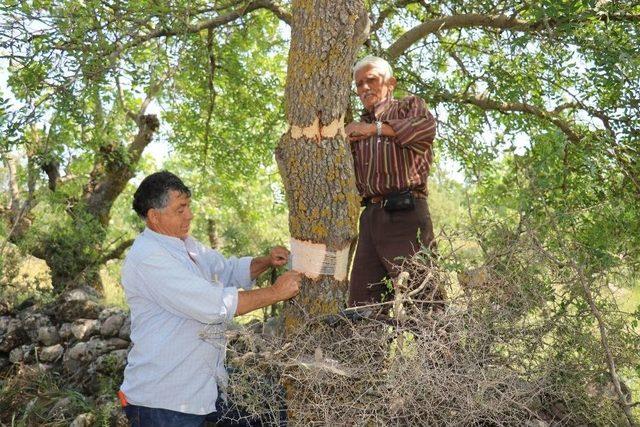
pixel 152 216
pixel 391 81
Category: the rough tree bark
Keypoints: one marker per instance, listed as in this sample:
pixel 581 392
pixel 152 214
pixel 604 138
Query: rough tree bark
pixel 313 155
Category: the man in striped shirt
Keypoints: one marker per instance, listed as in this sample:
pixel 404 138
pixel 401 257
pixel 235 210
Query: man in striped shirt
pixel 392 152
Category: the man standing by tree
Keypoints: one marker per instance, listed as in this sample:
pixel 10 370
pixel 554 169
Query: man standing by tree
pixel 182 296
pixel 392 152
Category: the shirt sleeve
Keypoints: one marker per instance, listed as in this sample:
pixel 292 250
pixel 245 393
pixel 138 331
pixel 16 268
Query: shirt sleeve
pixel 184 293
pixel 237 273
pixel 416 129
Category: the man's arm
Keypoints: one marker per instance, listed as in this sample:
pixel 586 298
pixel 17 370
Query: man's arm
pixel 287 286
pixel 417 128
pixel 357 131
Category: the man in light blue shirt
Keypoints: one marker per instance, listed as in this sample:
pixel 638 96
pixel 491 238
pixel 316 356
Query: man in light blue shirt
pixel 182 295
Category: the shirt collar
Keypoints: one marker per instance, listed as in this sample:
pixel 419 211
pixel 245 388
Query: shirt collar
pixel 173 242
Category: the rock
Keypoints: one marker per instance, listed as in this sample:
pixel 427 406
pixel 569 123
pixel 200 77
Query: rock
pixel 14 334
pixel 83 420
pixel 74 309
pixel 82 293
pixel 61 409
pixel 125 330
pixel 78 352
pixel 96 347
pixel 51 353
pixel 48 335
pixel 117 344
pixel 75 358
pixel 79 303
pixel 32 322
pixel 110 311
pixel 5 308
pixel 4 323
pixel 84 328
pixel 111 325
pixel 111 362
pixel 4 362
pixel 24 354
pixel 65 331
pixel 16 355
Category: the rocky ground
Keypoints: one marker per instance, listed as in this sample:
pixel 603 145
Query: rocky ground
pixel 78 342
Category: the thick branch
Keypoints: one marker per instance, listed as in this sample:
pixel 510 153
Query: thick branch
pixel 51 168
pixel 204 25
pixel 116 252
pixel 475 20
pixel 510 107
pixel 108 179
pixel 386 13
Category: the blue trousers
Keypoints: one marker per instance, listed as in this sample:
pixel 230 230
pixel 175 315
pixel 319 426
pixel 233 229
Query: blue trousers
pixel 141 416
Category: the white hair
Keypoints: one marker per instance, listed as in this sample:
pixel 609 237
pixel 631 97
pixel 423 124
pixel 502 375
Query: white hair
pixel 375 62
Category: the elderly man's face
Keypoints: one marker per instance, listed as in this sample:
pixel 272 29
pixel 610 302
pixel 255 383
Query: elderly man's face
pixel 173 220
pixel 371 86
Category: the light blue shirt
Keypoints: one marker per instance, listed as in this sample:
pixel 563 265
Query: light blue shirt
pixel 181 295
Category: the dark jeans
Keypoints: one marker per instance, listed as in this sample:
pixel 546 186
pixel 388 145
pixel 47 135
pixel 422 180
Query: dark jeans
pixel 141 416
pixel 384 238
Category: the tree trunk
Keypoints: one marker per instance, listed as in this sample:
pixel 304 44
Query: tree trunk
pixel 315 159
pixel 313 155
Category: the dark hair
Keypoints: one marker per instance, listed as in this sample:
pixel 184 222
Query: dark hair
pixel 153 192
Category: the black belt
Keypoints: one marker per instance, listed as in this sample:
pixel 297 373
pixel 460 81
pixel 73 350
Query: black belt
pixel 372 200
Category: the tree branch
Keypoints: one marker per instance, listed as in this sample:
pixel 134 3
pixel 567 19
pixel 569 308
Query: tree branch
pixel 204 25
pixel 501 22
pixel 384 14
pixel 485 103
pixel 116 252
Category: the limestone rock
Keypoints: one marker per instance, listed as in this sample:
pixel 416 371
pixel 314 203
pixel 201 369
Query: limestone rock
pixel 125 330
pixel 32 322
pixel 61 409
pixel 51 353
pixel 79 303
pixel 12 334
pixel 48 335
pixel 65 331
pixel 24 353
pixel 16 355
pixel 83 420
pixel 111 362
pixel 112 324
pixel 4 362
pixel 78 352
pixel 84 328
pixel 117 344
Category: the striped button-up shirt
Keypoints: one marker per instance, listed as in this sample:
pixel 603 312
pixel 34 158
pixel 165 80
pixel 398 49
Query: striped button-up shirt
pixel 182 295
pixel 385 165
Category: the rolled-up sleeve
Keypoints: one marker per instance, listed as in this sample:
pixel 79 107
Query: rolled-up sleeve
pixel 184 293
pixel 416 129
pixel 237 273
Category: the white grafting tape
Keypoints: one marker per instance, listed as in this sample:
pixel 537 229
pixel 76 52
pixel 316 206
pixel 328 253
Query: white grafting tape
pixel 313 259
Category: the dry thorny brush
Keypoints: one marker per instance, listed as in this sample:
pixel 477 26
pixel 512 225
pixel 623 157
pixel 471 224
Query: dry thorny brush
pixel 517 343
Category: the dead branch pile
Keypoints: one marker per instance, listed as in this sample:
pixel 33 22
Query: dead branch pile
pixel 516 343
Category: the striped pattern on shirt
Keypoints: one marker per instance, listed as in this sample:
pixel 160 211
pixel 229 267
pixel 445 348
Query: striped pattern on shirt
pixel 385 165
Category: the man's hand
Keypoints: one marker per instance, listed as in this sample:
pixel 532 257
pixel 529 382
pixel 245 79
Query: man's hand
pixel 357 131
pixel 278 256
pixel 287 285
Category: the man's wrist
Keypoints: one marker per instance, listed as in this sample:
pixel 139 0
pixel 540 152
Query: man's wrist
pixel 378 124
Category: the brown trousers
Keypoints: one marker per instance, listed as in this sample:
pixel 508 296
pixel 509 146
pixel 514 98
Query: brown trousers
pixel 386 237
